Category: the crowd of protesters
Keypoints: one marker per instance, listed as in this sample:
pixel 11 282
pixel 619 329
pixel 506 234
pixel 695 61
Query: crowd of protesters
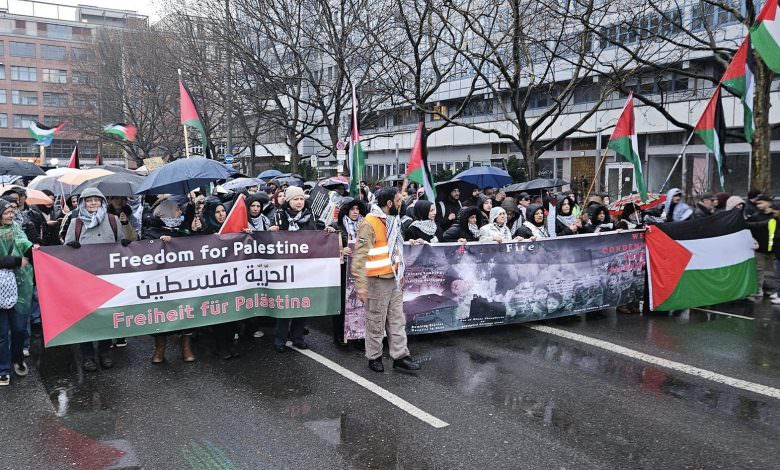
pixel 487 215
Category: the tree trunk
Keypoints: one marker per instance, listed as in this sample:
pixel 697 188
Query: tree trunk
pixel 763 133
pixel 530 161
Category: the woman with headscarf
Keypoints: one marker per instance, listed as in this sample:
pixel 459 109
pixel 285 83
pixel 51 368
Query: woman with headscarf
pixel 15 255
pixel 496 230
pixel 630 218
pixel 92 224
pixel 534 227
pixel 255 208
pixel 566 223
pixel 167 223
pixel 598 220
pixel 351 213
pixel 424 225
pixel 674 209
pixel 721 198
pixel 295 215
pixel 467 228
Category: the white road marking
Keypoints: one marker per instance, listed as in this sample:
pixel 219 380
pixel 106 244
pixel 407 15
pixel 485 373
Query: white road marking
pixel 716 312
pixel 372 387
pixel 660 362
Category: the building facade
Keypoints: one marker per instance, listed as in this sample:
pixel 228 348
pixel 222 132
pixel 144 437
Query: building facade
pixel 41 45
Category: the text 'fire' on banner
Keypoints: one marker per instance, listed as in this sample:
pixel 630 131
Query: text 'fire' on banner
pixel 108 291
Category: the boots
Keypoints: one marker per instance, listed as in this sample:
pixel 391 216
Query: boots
pixel 159 350
pixel 186 349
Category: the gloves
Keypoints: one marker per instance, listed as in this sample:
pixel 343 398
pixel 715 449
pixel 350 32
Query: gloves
pixel 125 242
pixel 74 244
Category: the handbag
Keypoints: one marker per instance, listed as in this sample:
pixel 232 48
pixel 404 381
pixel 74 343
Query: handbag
pixel 9 292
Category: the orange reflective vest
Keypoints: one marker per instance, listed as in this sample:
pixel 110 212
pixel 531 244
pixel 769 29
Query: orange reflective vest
pixel 378 261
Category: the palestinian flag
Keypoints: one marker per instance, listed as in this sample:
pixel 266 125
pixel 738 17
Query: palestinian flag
pixel 98 159
pixel 711 129
pixel 418 169
pixel 765 35
pixel 623 143
pixel 123 131
pixel 190 116
pixel 74 157
pixel 700 262
pixel 740 81
pixel 42 134
pixel 357 159
pixel 237 219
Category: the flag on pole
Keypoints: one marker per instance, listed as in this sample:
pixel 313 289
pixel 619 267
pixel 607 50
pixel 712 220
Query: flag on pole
pixel 122 130
pixel 623 142
pixel 357 158
pixel 418 169
pixel 74 157
pixel 190 116
pixel 237 220
pixel 42 134
pixel 740 81
pixel 765 35
pixel 711 129
pixel 98 159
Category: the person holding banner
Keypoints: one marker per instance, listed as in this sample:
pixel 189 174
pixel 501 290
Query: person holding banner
pixel 16 288
pixel 497 230
pixel 167 223
pixel 293 216
pixel 255 205
pixel 534 227
pixel 351 215
pixel 92 224
pixel 378 268
pixel 467 228
pixel 424 226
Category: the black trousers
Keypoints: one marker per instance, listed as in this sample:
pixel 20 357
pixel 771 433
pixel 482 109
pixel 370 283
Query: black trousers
pixel 289 327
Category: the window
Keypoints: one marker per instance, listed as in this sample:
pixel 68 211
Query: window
pixel 52 52
pixel 81 78
pixel 3 120
pixel 2 72
pixel 54 76
pixel 26 98
pixel 56 31
pixel 83 101
pixel 55 100
pixel 478 107
pixel 79 54
pixel 24 121
pixel 51 120
pixel 3 99
pixel 2 48
pixel 499 149
pixel 586 93
pixel 22 49
pixel 23 74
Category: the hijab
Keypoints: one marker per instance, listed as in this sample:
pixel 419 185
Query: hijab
pixel 566 219
pixel 258 223
pixel 351 226
pixel 92 220
pixel 208 217
pixel 420 211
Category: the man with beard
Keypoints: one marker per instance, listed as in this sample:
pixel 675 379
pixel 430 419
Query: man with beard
pixel 448 210
pixel 378 268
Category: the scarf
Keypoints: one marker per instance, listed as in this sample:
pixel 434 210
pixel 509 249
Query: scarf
pixel 259 223
pixel 299 219
pixel 474 229
pixel 538 232
pixel 171 222
pixel 427 226
pixel 92 220
pixel 567 219
pixel 351 226
pixel 395 241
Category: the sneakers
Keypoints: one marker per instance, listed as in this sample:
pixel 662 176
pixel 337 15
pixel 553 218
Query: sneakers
pixel 26 352
pixel 21 369
pixel 5 380
pixel 258 334
pixel 775 301
pixel 774 296
pixel 89 365
pixel 120 343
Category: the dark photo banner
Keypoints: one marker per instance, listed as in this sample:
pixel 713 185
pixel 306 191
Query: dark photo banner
pixel 453 286
pixel 108 291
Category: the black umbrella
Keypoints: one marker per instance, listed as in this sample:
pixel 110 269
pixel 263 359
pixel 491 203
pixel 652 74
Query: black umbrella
pixel 118 184
pixel 445 187
pixel 539 183
pixel 12 166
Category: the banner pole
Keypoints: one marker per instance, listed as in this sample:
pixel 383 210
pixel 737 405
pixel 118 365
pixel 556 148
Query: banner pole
pixel 42 154
pixel 679 157
pixel 598 170
pixel 186 134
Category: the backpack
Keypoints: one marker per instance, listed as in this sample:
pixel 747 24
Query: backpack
pixel 111 220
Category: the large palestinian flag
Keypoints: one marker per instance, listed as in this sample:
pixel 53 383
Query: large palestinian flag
pixel 740 81
pixel 123 131
pixel 765 35
pixel 418 169
pixel 711 129
pixel 190 116
pixel 43 134
pixel 623 141
pixel 700 262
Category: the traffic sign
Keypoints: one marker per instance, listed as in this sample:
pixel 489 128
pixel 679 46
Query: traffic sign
pixel 229 158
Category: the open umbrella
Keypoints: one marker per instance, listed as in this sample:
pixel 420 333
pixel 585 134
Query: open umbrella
pixel 268 174
pixel 393 178
pixel 485 176
pixel 241 183
pixel 52 183
pixel 288 180
pixel 445 187
pixel 116 169
pixel 116 184
pixel 335 181
pixel 653 200
pixel 542 183
pixel 33 196
pixel 12 166
pixel 184 175
pixel 76 178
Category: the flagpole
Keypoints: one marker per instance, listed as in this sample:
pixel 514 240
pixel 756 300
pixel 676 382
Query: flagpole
pixel 42 154
pixel 186 134
pixel 676 162
pixel 598 171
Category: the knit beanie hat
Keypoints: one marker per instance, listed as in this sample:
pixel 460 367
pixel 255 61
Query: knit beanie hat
pixel 509 204
pixel 292 192
pixel 495 212
pixel 733 201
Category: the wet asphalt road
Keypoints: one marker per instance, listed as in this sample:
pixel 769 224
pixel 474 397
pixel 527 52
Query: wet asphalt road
pixel 513 397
